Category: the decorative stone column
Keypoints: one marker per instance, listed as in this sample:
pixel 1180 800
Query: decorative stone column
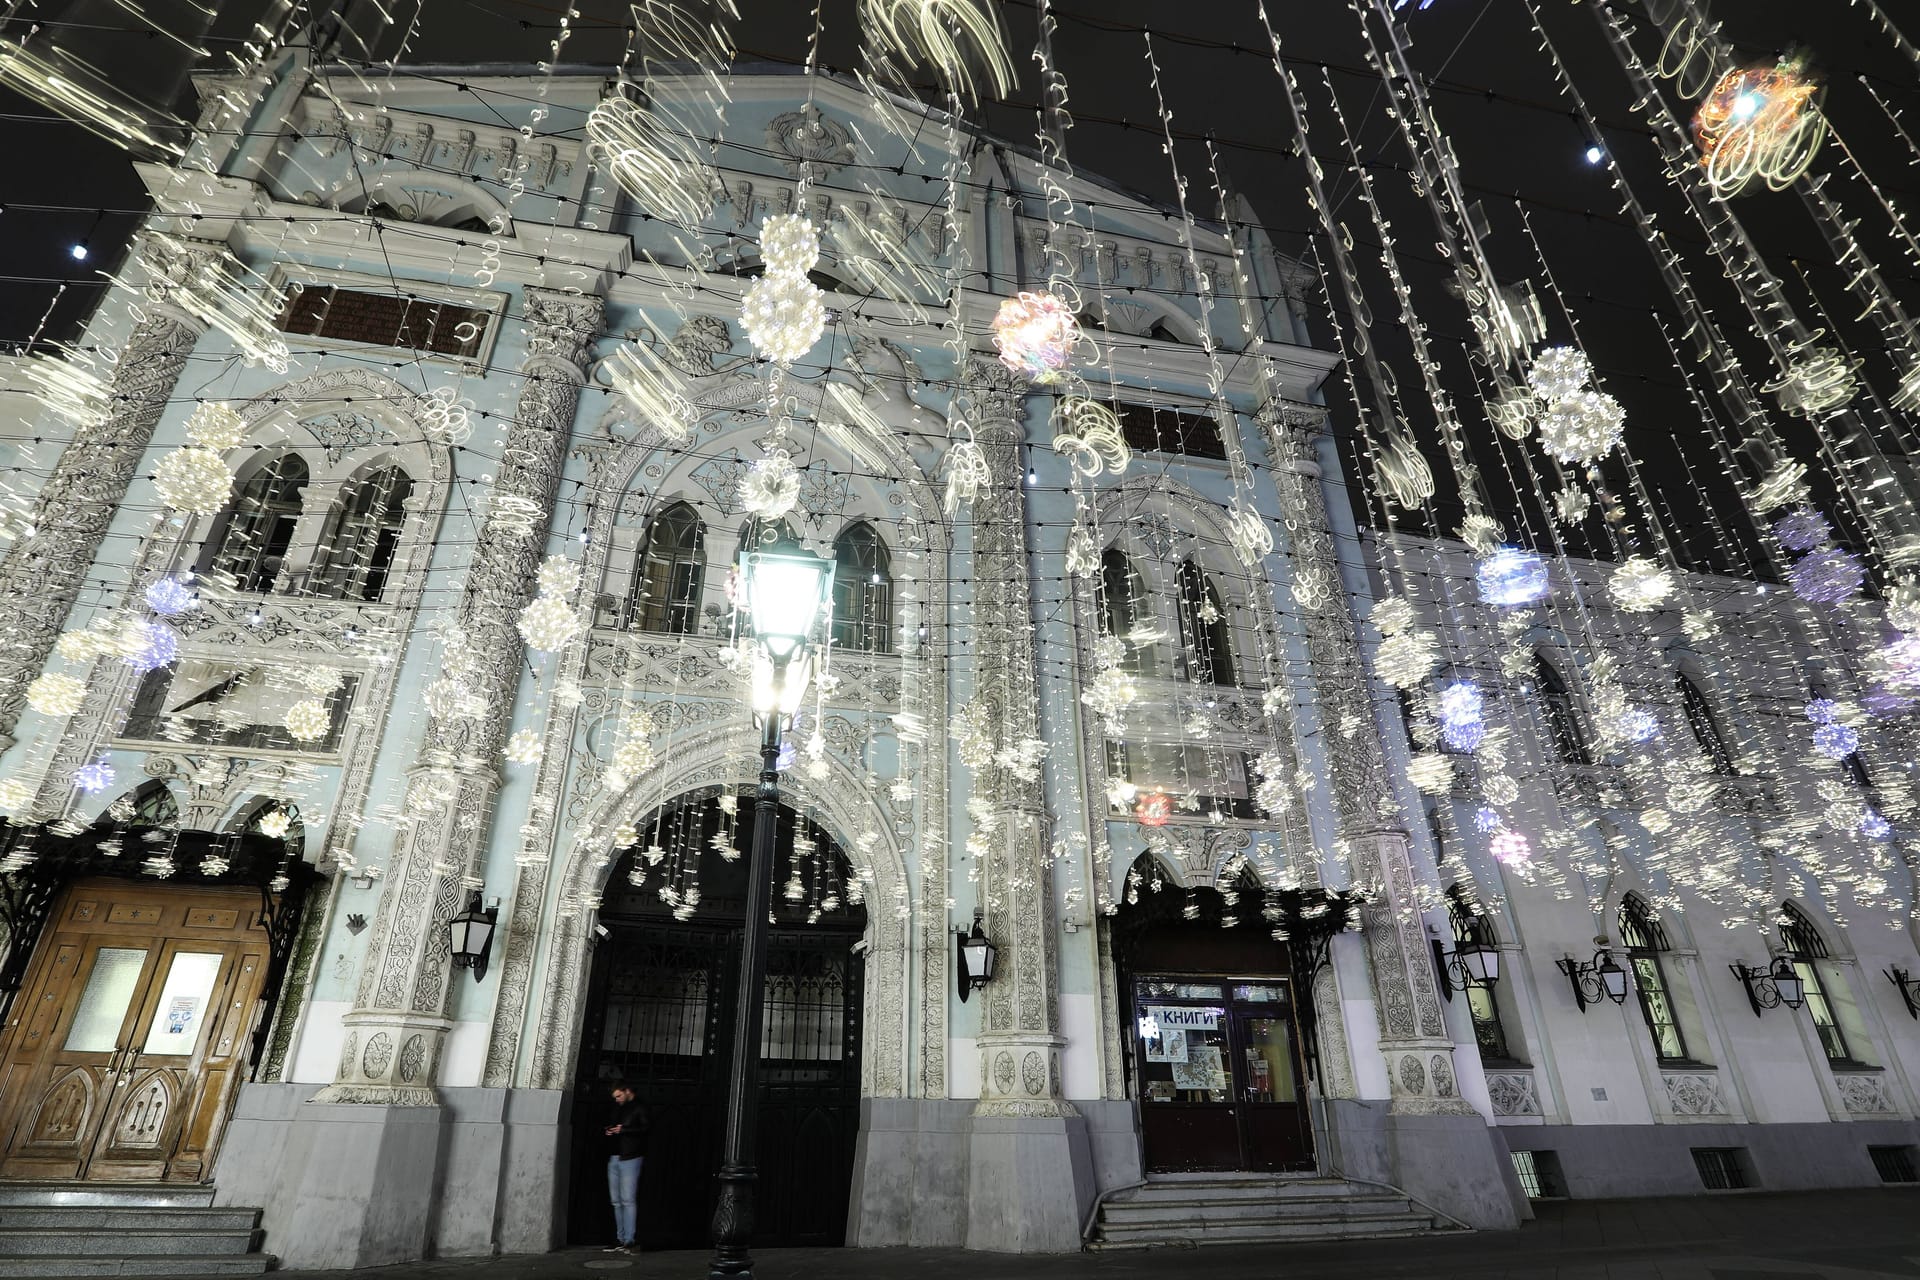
pixel 397 1027
pixel 1413 1031
pixel 41 575
pixel 1028 1142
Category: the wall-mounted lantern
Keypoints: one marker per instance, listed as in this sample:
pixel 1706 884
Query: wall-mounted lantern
pixel 470 936
pixel 1909 988
pixel 977 955
pixel 1599 977
pixel 1473 962
pixel 1769 988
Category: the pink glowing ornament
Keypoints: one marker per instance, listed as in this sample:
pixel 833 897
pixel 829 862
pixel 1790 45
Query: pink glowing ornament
pixel 1510 848
pixel 1035 334
pixel 1154 809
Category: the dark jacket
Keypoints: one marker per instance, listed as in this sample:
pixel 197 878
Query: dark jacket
pixel 631 1142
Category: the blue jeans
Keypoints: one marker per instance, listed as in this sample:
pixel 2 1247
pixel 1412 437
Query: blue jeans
pixel 623 1186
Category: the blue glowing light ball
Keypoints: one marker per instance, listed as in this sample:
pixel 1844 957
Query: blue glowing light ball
pixel 159 647
pixel 1511 577
pixel 1835 741
pixel 169 597
pixel 97 776
pixel 1460 713
pixel 1875 827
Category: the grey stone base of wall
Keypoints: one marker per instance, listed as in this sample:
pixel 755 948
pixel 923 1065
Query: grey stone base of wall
pixel 353 1185
pixel 933 1174
pixel 1610 1161
pixel 1456 1164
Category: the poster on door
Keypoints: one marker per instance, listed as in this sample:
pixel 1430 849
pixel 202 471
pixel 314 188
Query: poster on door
pixel 1204 1069
pixel 180 1014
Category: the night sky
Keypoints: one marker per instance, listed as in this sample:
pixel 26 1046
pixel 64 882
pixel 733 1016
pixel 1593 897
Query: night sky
pixel 1494 92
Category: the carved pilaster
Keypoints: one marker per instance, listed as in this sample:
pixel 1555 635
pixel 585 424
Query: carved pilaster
pixel 1413 1031
pixel 41 575
pixel 403 986
pixel 1019 1041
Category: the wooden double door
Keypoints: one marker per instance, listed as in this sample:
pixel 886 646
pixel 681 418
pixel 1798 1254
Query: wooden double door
pixel 1221 1084
pixel 130 1033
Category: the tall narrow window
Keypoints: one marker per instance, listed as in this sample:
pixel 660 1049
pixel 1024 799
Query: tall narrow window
pixel 1805 946
pixel 668 577
pixel 1706 729
pixel 862 591
pixel 250 538
pixel 1557 713
pixel 361 536
pixel 1644 940
pixel 1123 607
pixel 1205 631
pixel 1470 924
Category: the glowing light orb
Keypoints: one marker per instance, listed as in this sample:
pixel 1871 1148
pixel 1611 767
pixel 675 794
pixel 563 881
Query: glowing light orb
pixel 558 576
pixel 214 425
pixel 1827 576
pixel 523 747
pixel 1640 585
pixel 548 624
pixel 150 646
pixel 1835 741
pixel 1431 773
pixel 56 694
pixel 1461 711
pixel 1153 809
pixel 770 488
pixel 307 720
pixel 1485 819
pixel 1759 122
pixel 274 824
pixel 94 777
pixel 633 757
pixel 1803 530
pixel 1511 577
pixel 1406 658
pixel 1559 372
pixel 194 480
pixel 1582 427
pixel 1875 827
pixel 1510 848
pixel 1818 381
pixel 1823 711
pixel 1035 334
pixel 169 597
pixel 789 245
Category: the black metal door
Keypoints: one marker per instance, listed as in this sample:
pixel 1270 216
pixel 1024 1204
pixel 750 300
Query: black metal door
pixel 660 1014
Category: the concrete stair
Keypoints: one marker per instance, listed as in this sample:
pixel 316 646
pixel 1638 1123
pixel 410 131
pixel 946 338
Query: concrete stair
pixel 1243 1208
pixel 124 1229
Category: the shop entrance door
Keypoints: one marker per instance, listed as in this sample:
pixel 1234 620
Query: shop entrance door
pixel 132 1028
pixel 1218 1064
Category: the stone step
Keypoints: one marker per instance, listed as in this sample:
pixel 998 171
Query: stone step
pixel 1135 1214
pixel 1253 1231
pixel 150 1195
pixel 19 1242
pixel 85 1217
pixel 233 1264
pixel 1194 1188
pixel 1172 1196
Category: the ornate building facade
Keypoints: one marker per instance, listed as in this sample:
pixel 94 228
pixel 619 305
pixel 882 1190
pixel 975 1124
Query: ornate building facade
pixel 1120 716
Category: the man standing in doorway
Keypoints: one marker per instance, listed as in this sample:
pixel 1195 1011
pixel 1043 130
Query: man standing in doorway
pixel 626 1149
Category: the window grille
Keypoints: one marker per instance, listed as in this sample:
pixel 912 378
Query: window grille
pixel 1706 729
pixel 1539 1174
pixel 247 545
pixel 669 574
pixel 1557 711
pixel 862 591
pixel 1123 607
pixel 1721 1168
pixel 1149 429
pixel 1894 1164
pixel 362 536
pixel 1644 940
pixel 385 320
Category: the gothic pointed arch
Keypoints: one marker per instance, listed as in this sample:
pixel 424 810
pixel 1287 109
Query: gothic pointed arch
pixel 862 590
pixel 669 574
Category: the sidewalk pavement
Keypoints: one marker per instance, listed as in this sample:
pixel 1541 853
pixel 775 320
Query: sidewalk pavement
pixel 1828 1235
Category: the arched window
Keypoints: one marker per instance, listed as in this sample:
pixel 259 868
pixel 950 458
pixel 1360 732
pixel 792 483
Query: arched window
pixel 1124 606
pixel 250 538
pixel 1644 940
pixel 151 804
pixel 862 591
pixel 1557 713
pixel 1206 634
pixel 1470 924
pixel 1805 946
pixel 668 576
pixel 361 536
pixel 1706 730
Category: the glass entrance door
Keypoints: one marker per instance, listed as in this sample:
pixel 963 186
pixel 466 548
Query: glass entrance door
pixel 1218 1067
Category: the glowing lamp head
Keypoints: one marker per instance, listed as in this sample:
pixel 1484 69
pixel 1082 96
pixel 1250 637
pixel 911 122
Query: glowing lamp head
pixel 786 587
pixel 1595 153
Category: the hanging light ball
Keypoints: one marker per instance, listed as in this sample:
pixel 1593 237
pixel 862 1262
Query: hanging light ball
pixel 56 694
pixel 783 315
pixel 1511 577
pixel 1803 530
pixel 1583 427
pixel 789 245
pixel 1406 658
pixel 1819 380
pixel 770 488
pixel 1153 809
pixel 1559 372
pixel 80 646
pixel 548 624
pixel 558 576
pixel 149 646
pixel 1835 741
pixel 1461 710
pixel 1873 826
pixel 1510 848
pixel 631 758
pixel 1501 789
pixel 1487 819
pixel 94 777
pixel 1823 710
pixel 523 747
pixel 1431 773
pixel 1827 576
pixel 1759 122
pixel 1903 604
pixel 1035 334
pixel 1639 585
pixel 274 824
pixel 169 597
pixel 193 480
pixel 1394 613
pixel 307 720
pixel 214 425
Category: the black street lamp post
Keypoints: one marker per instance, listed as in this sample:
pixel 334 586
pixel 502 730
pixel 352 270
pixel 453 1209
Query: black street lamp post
pixel 785 588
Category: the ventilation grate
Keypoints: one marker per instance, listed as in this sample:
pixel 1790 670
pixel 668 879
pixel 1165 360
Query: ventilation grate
pixel 1894 1164
pixel 1721 1168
